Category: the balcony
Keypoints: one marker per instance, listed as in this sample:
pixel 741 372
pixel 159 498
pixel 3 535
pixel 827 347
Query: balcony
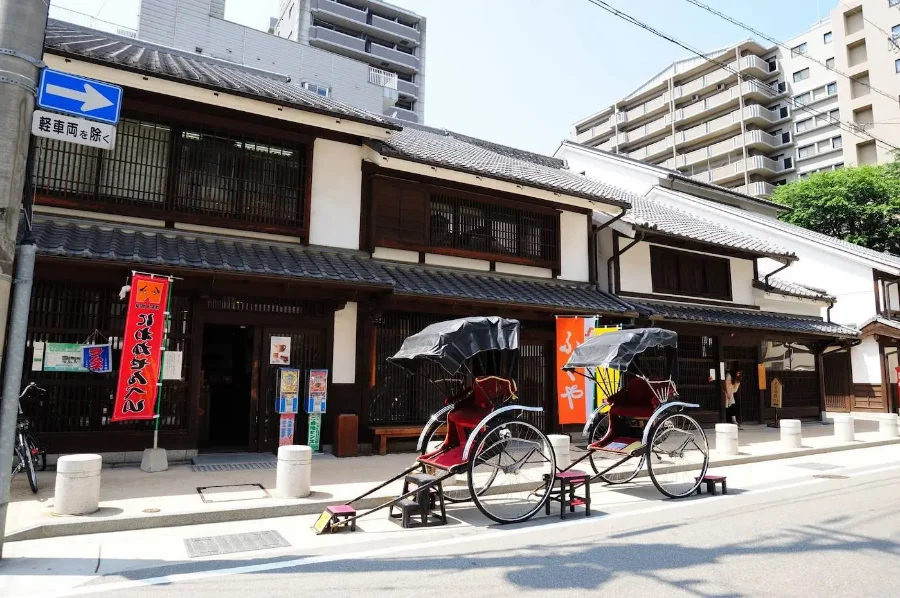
pixel 407 88
pixel 752 139
pixel 401 114
pixel 601 129
pixel 756 189
pixel 759 91
pixel 754 165
pixel 766 142
pixel 651 128
pixel 335 41
pixel 342 11
pixel 395 56
pixel 704 83
pixel 717 126
pixel 608 145
pixel 396 28
pixel 383 78
pixel 648 108
pixel 764 117
pixel 654 150
pixel 756 66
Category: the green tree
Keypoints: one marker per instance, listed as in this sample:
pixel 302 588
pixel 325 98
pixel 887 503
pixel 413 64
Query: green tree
pixel 859 204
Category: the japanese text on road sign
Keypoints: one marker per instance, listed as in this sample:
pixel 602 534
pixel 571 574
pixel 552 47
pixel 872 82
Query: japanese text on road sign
pixel 75 130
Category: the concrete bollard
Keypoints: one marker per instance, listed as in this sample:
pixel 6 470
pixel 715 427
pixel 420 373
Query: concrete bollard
pixel 726 439
pixel 844 428
pixel 560 444
pixel 293 476
pixel 887 425
pixel 77 484
pixel 791 435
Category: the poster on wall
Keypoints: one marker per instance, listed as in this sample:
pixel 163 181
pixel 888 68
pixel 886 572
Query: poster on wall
pixel 97 358
pixel 142 344
pixel 280 350
pixel 172 365
pixel 286 429
pixel 574 392
pixel 64 357
pixel 37 357
pixel 314 433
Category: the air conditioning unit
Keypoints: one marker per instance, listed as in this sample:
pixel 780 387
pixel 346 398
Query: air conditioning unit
pixel 695 97
pixel 720 86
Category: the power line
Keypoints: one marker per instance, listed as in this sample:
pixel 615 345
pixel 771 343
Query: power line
pixel 772 40
pixel 847 127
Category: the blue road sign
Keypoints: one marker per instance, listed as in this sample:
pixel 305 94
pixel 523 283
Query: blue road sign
pixel 79 96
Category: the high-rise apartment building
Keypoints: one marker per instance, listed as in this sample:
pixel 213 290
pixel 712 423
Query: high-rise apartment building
pixel 813 103
pixel 365 53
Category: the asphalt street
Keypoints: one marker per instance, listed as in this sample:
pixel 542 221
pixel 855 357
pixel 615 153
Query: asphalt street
pixel 780 535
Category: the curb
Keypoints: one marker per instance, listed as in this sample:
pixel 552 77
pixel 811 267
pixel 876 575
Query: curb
pixel 177 519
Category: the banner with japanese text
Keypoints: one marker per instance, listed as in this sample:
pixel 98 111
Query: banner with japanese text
pixel 574 392
pixel 142 345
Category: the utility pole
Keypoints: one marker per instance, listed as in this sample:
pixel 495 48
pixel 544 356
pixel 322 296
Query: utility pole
pixel 22 26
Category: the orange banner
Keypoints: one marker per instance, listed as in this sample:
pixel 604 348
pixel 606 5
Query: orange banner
pixel 572 389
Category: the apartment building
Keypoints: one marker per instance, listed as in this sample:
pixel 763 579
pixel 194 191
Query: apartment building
pixel 367 54
pixel 699 117
pixel 389 38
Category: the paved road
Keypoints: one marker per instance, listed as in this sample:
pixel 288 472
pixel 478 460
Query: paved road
pixel 785 534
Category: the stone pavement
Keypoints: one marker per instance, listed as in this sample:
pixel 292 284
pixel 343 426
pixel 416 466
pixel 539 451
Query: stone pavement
pixel 132 500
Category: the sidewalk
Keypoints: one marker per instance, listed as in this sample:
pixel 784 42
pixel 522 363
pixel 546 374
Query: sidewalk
pixel 132 499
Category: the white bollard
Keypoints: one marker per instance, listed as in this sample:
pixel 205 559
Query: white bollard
pixel 844 428
pixel 293 477
pixel 791 436
pixel 726 439
pixel 560 444
pixel 887 425
pixel 77 484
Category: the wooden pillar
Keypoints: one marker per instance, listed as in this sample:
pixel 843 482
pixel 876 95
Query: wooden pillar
pixel 198 319
pixel 760 383
pixel 820 368
pixel 720 359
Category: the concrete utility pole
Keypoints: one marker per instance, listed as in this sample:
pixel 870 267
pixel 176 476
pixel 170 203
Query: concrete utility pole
pixel 22 25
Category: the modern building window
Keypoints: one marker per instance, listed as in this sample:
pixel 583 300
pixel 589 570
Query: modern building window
pixel 893 2
pixel 837 142
pixel 316 88
pixel 674 272
pixel 804 125
pixel 803 98
pixel 830 63
pixel 838 165
pixel 827 38
pixel 897 65
pixel 801 75
pixel 832 89
pixel 895 31
pixel 806 152
pixel 405 103
pixel 799 50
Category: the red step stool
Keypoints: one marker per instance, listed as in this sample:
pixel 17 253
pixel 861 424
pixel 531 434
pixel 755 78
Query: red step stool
pixel 711 481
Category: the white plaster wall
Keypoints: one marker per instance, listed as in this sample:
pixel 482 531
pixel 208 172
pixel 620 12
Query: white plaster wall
pixel 344 350
pixel 521 270
pixel 395 255
pixel 864 360
pixel 336 194
pixel 573 229
pixel 456 262
pixel 788 305
pixel 628 177
pixel 605 251
pixel 742 281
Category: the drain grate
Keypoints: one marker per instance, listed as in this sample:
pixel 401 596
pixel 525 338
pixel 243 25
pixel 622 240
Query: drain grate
pixel 231 543
pixel 831 476
pixel 233 466
pixel 816 466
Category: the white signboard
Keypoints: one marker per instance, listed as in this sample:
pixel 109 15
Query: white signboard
pixel 73 129
pixel 172 365
pixel 37 357
pixel 280 350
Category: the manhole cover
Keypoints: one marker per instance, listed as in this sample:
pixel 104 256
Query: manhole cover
pixel 831 476
pixel 231 493
pixel 151 510
pixel 231 543
pixel 816 466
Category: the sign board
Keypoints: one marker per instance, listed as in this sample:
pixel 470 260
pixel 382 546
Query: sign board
pixel 287 399
pixel 286 429
pixel 79 96
pixel 145 322
pixel 37 357
pixel 761 375
pixel 64 357
pixel 172 365
pixel 777 391
pixel 97 358
pixel 317 391
pixel 314 433
pixel 280 350
pixel 73 129
pixel 574 392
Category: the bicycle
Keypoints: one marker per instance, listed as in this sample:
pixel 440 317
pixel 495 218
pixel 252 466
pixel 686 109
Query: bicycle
pixel 27 448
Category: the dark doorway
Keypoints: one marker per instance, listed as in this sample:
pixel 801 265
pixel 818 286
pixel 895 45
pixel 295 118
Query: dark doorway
pixel 227 383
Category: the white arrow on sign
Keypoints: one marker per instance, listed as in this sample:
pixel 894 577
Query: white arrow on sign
pixel 91 98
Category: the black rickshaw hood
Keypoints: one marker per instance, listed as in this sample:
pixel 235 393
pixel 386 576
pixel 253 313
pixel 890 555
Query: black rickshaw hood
pixel 618 349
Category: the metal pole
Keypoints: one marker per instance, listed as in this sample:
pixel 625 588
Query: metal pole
pixel 22 26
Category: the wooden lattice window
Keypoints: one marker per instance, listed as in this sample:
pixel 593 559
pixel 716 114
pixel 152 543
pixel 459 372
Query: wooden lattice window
pixel 677 272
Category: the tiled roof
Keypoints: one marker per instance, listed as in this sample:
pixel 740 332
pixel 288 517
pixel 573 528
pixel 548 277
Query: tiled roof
pixel 446 149
pixel 161 61
pixel 654 216
pixel 792 289
pixel 743 318
pixel 108 242
pixel 869 327
pixel 496 288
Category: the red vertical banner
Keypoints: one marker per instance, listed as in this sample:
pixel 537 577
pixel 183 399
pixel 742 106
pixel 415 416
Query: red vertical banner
pixel 142 346
pixel 571 388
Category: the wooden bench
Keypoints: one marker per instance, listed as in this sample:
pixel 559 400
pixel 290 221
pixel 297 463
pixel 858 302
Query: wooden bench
pixel 383 433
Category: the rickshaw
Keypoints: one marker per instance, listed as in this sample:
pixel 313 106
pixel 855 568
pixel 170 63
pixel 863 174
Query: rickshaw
pixel 481 435
pixel 641 420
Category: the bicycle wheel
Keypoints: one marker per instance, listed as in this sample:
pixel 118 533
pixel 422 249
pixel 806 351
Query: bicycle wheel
pixel 677 456
pixel 40 454
pixel 28 459
pixel 456 489
pixel 518 460
pixel 601 461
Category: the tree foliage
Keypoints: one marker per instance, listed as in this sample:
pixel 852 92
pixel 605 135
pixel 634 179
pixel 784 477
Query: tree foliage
pixel 859 204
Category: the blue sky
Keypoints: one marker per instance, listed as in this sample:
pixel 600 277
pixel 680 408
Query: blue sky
pixel 520 72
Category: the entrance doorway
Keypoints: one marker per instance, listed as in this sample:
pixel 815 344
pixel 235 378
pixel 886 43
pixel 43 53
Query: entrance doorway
pixel 227 366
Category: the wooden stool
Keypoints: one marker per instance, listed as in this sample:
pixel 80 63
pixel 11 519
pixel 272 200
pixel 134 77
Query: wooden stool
pixel 565 496
pixel 711 481
pixel 339 514
pixel 422 503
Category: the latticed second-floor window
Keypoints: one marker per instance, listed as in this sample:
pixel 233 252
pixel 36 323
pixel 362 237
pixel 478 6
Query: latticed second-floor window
pixel 165 171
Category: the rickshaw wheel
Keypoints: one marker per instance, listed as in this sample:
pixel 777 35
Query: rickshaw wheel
pixel 455 490
pixel 600 461
pixel 515 456
pixel 677 455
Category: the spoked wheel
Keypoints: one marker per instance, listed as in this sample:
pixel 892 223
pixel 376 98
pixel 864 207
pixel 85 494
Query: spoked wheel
pixel 600 461
pixel 456 488
pixel 28 459
pixel 677 455
pixel 515 457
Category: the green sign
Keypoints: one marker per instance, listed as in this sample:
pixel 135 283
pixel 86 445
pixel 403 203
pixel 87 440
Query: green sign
pixel 63 357
pixel 315 431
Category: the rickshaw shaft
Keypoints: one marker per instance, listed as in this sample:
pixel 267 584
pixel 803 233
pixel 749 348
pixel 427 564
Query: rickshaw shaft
pixel 422 488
